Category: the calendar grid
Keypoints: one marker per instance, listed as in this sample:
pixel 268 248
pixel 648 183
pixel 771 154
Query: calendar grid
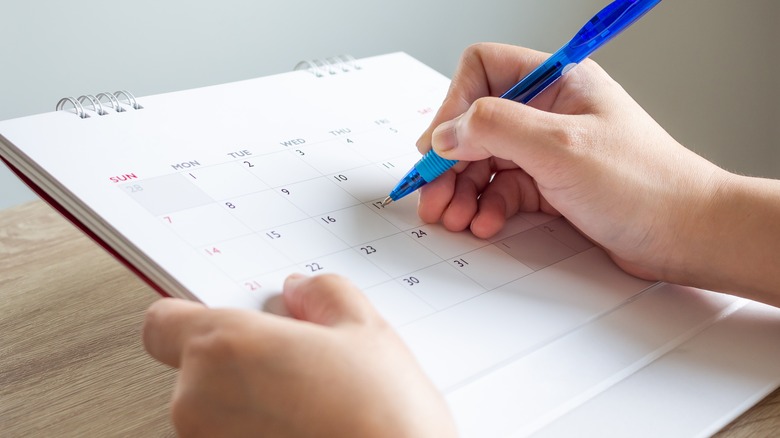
pixel 315 207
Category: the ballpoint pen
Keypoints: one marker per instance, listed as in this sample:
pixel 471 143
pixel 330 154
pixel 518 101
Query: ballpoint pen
pixel 604 26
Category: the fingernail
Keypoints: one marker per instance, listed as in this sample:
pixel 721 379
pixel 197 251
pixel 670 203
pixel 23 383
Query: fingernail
pixel 444 137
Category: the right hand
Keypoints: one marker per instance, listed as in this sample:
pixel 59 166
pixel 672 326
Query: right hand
pixel 583 149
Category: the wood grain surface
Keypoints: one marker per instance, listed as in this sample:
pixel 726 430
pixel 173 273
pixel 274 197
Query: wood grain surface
pixel 71 359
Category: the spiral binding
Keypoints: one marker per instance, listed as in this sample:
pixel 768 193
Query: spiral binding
pixel 118 101
pixel 329 66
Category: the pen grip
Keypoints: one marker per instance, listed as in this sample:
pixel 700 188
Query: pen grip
pixel 431 165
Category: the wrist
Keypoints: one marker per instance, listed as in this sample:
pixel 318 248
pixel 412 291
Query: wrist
pixel 696 244
pixel 731 240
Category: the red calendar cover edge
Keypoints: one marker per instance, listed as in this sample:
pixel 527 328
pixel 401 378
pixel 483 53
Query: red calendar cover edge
pixel 80 225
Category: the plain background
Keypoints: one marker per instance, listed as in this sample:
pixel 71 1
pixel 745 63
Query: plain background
pixel 706 70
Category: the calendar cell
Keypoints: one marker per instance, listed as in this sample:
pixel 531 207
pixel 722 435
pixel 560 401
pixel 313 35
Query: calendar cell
pixel 444 243
pixel 280 169
pixel 411 129
pixel 225 181
pixel 205 225
pixel 331 157
pixel 165 194
pixel 398 165
pixel 490 267
pixel 562 230
pixel 401 213
pixel 263 210
pixel 536 218
pixel 356 225
pixel 318 196
pixel 380 144
pixel 245 256
pixel 347 263
pixel 398 255
pixel 396 304
pixel 441 285
pixel 514 225
pixel 365 183
pixel 303 240
pixel 535 248
pixel 266 286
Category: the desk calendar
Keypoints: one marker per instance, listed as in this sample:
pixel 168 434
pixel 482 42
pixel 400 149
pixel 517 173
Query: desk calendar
pixel 217 194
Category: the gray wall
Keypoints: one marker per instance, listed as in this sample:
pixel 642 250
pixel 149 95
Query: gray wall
pixel 709 72
pixel 705 75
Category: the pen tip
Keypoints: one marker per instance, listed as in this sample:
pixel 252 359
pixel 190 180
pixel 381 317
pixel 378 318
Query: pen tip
pixel 387 201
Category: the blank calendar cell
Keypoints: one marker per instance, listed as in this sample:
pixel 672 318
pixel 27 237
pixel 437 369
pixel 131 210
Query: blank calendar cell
pixel 585 283
pixel 245 256
pixel 365 183
pixel 318 196
pixel 280 169
pixel 303 240
pixel 490 267
pixel 205 225
pixel 398 255
pixel 441 285
pixel 563 231
pixel 514 225
pixel 535 248
pixel 348 263
pixel 225 181
pixel 263 210
pixel 165 194
pixel 445 243
pixel 331 157
pixel 357 225
pixel 396 304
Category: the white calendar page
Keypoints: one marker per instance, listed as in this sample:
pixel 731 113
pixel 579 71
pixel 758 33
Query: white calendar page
pixel 217 194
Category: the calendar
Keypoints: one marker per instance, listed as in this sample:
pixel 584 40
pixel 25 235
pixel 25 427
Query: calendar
pixel 217 194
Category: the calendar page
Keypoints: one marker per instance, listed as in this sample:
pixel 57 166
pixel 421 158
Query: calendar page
pixel 217 194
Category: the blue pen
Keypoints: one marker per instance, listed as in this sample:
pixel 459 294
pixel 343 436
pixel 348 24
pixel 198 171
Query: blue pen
pixel 604 26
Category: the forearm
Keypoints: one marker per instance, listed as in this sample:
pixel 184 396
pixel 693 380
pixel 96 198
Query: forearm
pixel 736 248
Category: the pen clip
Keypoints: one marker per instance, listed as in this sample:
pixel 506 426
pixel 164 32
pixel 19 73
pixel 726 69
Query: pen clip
pixel 605 25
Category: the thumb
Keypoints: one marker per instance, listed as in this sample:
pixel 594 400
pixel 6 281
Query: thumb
pixel 328 300
pixel 494 127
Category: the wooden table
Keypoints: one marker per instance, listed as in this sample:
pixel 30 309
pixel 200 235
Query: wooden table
pixel 71 359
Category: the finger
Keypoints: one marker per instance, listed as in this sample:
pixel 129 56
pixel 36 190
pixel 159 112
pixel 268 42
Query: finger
pixel 168 324
pixel 531 138
pixel 509 192
pixel 435 197
pixel 468 186
pixel 328 300
pixel 485 69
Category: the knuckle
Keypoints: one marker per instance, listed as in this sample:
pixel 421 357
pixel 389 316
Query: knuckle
pixel 482 116
pixel 474 50
pixel 568 137
pixel 219 344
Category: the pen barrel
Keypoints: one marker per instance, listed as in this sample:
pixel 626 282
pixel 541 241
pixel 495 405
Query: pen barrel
pixel 539 79
pixel 431 165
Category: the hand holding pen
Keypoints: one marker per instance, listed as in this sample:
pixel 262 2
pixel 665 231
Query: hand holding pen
pixel 604 26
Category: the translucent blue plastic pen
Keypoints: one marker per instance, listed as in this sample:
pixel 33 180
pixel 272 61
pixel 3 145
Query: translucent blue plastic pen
pixel 604 26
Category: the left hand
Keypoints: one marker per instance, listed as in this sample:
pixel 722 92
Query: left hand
pixel 337 369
